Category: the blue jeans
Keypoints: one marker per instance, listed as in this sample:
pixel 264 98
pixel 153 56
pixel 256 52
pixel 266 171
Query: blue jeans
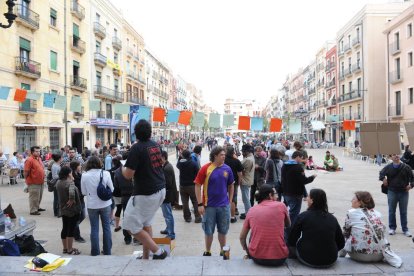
pixel 245 191
pixel 105 214
pixel 169 219
pixel 295 204
pixel 402 199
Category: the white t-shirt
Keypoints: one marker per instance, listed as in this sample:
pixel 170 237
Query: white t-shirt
pixel 289 153
pixel 89 185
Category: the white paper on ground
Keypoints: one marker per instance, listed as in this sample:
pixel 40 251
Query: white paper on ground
pixel 67 260
pixel 48 257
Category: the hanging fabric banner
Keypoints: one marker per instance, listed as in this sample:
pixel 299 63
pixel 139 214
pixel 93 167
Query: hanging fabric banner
pixel 20 95
pixel 32 95
pixel 257 123
pixel 244 123
pixel 94 105
pixel 275 125
pixel 60 102
pixel 185 117
pixel 121 108
pixel 295 126
pixel 48 100
pixel 158 114
pixel 76 104
pixel 143 113
pixel 198 119
pixel 228 120
pixel 348 125
pixel 214 120
pixel 4 92
pixel 173 116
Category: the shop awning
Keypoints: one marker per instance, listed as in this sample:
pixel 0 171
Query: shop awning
pixel 109 123
pixel 317 125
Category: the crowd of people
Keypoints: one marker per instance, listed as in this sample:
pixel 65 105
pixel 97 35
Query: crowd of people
pixel 270 176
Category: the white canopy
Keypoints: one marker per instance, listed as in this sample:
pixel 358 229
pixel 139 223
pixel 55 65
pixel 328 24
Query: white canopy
pixel 317 125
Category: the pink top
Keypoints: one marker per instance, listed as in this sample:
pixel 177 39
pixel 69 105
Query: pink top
pixel 267 222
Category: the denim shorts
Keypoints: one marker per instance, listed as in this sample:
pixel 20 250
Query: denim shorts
pixel 216 215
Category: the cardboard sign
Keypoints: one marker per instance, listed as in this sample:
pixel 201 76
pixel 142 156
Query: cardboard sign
pixel 380 138
pixel 409 129
pixel 165 243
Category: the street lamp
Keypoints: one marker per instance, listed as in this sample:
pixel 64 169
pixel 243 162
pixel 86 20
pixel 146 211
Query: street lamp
pixel 10 16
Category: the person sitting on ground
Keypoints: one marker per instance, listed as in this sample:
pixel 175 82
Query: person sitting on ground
pixel 361 242
pixel 267 221
pixel 333 166
pixel 316 236
pixel 327 160
pixel 310 165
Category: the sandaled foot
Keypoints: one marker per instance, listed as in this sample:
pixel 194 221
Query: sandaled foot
pixel 74 251
pixel 65 251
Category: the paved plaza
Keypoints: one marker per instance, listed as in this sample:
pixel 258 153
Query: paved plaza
pixel 339 186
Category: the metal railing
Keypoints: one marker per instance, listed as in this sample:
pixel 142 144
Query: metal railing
pixel 28 108
pixel 107 93
pixel 24 65
pixel 100 114
pixel 100 59
pixel 330 83
pixel 348 71
pixel 99 30
pixel 347 47
pixel 118 117
pixel 78 45
pixel 130 51
pixel 357 116
pixel 396 76
pixel 141 79
pixel 395 111
pixel 395 47
pixel 341 53
pixel 79 82
pixel 77 10
pixel 27 16
pixel 354 94
pixel 356 41
pixel 116 43
pixel 356 67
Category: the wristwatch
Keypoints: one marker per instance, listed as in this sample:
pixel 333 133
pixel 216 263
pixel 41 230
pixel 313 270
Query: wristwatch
pixel 200 204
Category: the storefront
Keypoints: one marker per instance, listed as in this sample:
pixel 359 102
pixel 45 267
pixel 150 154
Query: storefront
pixel 110 131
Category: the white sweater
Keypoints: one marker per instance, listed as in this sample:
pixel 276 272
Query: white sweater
pixel 89 185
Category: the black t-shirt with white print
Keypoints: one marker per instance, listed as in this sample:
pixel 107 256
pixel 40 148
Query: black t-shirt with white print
pixel 145 159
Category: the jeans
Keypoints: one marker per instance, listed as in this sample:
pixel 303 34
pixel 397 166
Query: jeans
pixel 294 203
pixel 55 203
pixel 105 214
pixel 402 199
pixel 245 191
pixel 169 219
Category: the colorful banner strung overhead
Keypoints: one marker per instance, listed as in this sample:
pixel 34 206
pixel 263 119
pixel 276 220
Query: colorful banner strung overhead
pixel 257 123
pixel 214 120
pixel 173 116
pixel 158 115
pixel 275 125
pixel 185 117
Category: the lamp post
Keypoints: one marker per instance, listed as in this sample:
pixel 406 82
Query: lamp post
pixel 10 16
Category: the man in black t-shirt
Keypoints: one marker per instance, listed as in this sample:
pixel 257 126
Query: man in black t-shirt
pixel 144 163
pixel 237 168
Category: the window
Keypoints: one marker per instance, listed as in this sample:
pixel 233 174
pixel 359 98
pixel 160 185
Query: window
pixel 359 85
pixel 54 137
pixel 410 30
pixel 98 78
pixel 397 41
pixel 98 47
pixel 115 57
pixel 357 34
pixel 410 59
pixel 410 95
pixel 24 50
pixel 97 17
pixel 398 67
pixel 358 59
pixel 100 135
pixel 109 111
pixel 53 60
pixel 53 17
pixel 350 86
pixel 116 85
pixel 115 33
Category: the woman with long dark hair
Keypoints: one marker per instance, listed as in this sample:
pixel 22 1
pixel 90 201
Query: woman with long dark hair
pixel 316 236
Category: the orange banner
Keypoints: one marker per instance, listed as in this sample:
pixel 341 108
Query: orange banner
pixel 244 123
pixel 185 117
pixel 275 125
pixel 20 95
pixel 348 125
pixel 158 115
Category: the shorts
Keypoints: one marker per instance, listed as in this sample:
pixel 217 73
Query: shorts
pixel 216 215
pixel 236 188
pixel 140 211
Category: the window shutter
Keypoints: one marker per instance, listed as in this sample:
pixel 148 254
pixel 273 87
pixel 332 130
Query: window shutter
pixel 75 30
pixel 53 60
pixel 53 13
pixel 24 44
pixel 76 63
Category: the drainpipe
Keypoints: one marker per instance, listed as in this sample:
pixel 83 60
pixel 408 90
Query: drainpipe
pixel 387 110
pixel 65 115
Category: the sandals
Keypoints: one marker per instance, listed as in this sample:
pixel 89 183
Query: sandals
pixel 74 251
pixel 65 251
pixel 117 228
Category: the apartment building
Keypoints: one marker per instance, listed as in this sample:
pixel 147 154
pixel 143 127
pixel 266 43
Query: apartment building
pixel 35 61
pixel 361 45
pixel 331 96
pixel 399 68
pixel 244 107
pixel 181 100
pixel 157 82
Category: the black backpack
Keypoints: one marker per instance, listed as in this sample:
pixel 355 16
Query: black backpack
pixel 103 192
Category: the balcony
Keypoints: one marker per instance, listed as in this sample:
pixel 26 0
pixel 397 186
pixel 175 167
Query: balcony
pixel 320 67
pixel 347 116
pixel 136 100
pixel 77 10
pixel 395 47
pixel 329 66
pixel 341 76
pixel 99 30
pixel 330 84
pixel 356 42
pixel 130 51
pixel 311 91
pixel 28 107
pixel 347 48
pixel 106 93
pixel 357 116
pixel 116 71
pixel 156 91
pixel 353 95
pixel 26 17
pixel 28 68
pixel 348 72
pixel 78 83
pixel 331 103
pixel 395 111
pixel 164 95
pixel 79 115
pixel 100 60
pixel 100 114
pixel 396 77
pixel 118 117
pixel 116 43
pixel 142 61
pixel 141 79
pixel 356 67
pixel 131 75
pixel 78 45
pixel 341 53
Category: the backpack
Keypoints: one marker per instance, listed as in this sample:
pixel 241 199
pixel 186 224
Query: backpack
pixel 104 192
pixel 8 248
pixel 51 182
pixel 126 186
pixel 28 246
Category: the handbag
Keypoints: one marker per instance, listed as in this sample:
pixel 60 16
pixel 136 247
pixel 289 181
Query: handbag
pixel 104 192
pixel 384 189
pixel 389 256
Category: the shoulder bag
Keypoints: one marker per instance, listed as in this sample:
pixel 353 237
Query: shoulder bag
pixel 104 192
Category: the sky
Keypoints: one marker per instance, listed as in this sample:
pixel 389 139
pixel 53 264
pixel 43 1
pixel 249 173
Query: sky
pixel 241 49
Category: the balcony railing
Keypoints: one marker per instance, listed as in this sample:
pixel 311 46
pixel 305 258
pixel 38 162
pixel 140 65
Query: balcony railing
pixel 395 47
pixel 118 117
pixel 134 99
pixel 341 53
pixel 130 51
pixel 347 47
pixel 100 59
pixel 28 107
pixel 330 84
pixel 348 71
pixel 329 66
pixel 141 79
pixel 331 103
pixel 78 115
pixel 395 111
pixel 99 30
pixel 78 45
pixel 354 94
pixel 356 41
pixel 78 83
pixel 77 10
pixel 116 43
pixel 104 92
pixel 396 76
pixel 357 116
pixel 27 17
pixel 311 91
pixel 356 67
pixel 100 114
pixel 28 68
pixel 341 75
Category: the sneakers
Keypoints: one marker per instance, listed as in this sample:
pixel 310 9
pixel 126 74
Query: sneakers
pixel 242 216
pixel 391 232
pixel 407 234
pixel 206 254
pixel 163 232
pixel 233 220
pixel 162 256
pixel 198 220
